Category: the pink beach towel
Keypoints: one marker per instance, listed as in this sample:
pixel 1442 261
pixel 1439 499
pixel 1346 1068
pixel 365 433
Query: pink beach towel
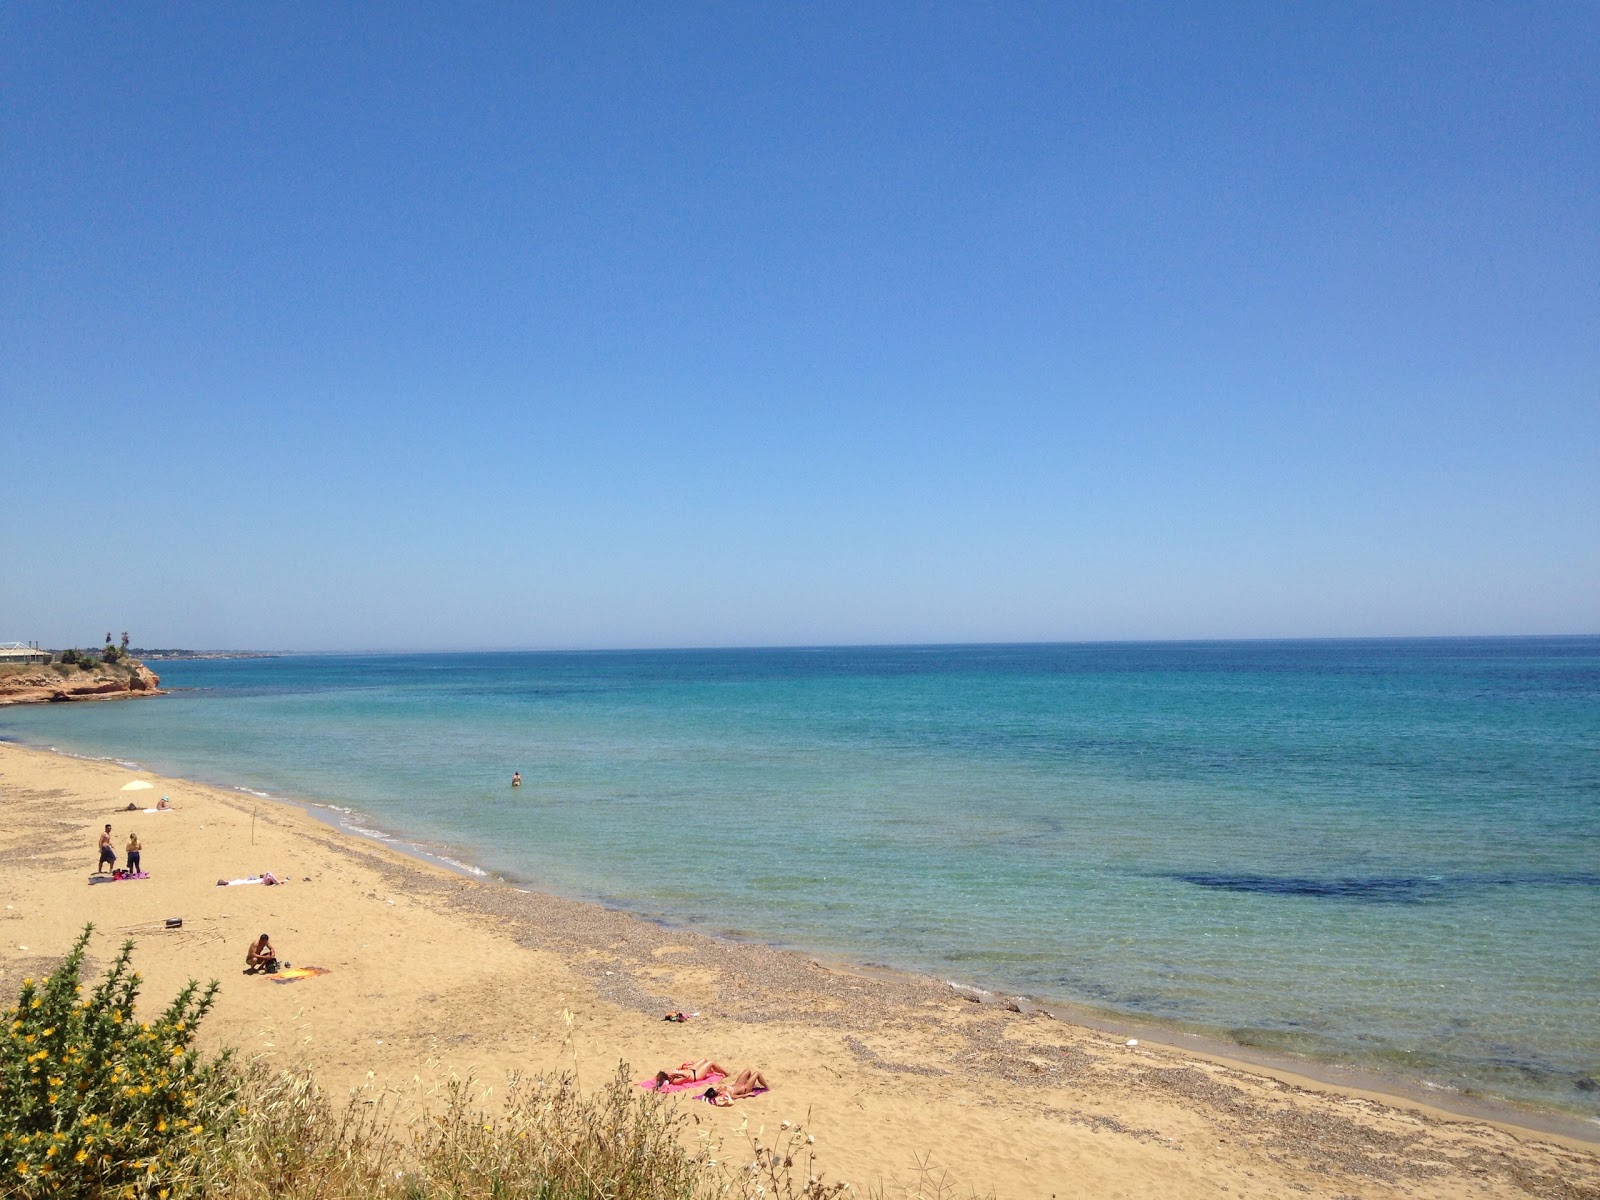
pixel 649 1085
pixel 120 877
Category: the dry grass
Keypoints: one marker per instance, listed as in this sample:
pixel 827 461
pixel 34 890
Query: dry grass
pixel 547 1140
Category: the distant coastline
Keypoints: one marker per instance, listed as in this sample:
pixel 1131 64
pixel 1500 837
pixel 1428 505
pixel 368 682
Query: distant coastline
pixel 170 655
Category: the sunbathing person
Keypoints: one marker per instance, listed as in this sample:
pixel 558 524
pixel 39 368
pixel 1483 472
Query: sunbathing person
pixel 260 957
pixel 689 1072
pixel 746 1083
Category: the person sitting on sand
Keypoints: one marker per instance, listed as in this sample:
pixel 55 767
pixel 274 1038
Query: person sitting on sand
pixel 689 1072
pixel 260 957
pixel 133 853
pixel 163 805
pixel 746 1083
pixel 108 856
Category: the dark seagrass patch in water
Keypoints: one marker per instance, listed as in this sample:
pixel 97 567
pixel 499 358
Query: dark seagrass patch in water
pixel 1379 889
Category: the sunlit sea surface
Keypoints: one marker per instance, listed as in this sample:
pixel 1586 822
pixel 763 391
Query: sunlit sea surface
pixel 1384 854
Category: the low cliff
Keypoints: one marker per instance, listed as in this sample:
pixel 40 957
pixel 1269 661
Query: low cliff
pixel 34 684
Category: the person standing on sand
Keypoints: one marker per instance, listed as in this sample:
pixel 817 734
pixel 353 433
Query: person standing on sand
pixel 133 853
pixel 108 856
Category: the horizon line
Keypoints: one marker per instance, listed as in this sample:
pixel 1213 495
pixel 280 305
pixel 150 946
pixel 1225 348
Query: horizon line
pixel 700 649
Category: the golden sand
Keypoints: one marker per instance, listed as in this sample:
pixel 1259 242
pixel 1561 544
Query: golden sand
pixel 431 974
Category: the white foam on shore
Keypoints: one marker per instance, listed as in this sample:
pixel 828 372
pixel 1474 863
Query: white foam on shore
pixel 121 762
pixel 456 863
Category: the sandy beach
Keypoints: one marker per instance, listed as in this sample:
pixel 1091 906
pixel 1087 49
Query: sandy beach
pixel 432 974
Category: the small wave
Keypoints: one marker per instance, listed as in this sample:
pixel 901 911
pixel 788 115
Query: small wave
pixel 365 831
pixel 462 866
pixel 93 758
pixel 253 792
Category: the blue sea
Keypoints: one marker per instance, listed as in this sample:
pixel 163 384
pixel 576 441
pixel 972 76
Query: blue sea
pixel 1384 854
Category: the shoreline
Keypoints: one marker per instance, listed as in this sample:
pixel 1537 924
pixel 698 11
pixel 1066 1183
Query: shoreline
pixel 1291 1069
pixel 884 1067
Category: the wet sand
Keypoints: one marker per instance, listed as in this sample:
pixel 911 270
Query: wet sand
pixel 433 975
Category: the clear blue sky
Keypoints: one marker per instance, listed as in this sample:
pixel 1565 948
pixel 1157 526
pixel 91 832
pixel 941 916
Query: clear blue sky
pixel 526 326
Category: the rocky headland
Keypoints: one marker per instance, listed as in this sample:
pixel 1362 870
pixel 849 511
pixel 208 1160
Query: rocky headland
pixel 56 682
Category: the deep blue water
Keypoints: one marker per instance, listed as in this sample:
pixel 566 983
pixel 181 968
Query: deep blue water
pixel 1385 853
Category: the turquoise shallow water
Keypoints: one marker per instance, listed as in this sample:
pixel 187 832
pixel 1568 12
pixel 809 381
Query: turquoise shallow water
pixel 1380 853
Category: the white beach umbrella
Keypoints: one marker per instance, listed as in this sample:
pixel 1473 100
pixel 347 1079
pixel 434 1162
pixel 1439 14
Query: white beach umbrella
pixel 138 785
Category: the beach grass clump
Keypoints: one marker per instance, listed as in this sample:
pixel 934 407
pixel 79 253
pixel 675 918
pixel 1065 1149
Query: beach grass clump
pixel 286 1141
pixel 553 1141
pixel 95 1103
pixel 546 1140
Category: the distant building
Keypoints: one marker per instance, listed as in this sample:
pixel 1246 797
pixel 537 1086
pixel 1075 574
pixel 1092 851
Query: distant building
pixel 17 652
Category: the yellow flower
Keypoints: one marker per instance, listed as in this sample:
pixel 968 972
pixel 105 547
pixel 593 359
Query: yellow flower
pixel 80 1156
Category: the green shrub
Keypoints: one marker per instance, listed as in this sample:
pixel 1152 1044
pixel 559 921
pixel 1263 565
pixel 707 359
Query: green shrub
pixel 95 1103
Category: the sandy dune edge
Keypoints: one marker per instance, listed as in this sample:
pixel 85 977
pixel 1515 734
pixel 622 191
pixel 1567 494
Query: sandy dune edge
pixel 432 974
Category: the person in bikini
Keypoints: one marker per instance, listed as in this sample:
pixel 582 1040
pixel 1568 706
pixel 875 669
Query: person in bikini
pixel 689 1072
pixel 746 1083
